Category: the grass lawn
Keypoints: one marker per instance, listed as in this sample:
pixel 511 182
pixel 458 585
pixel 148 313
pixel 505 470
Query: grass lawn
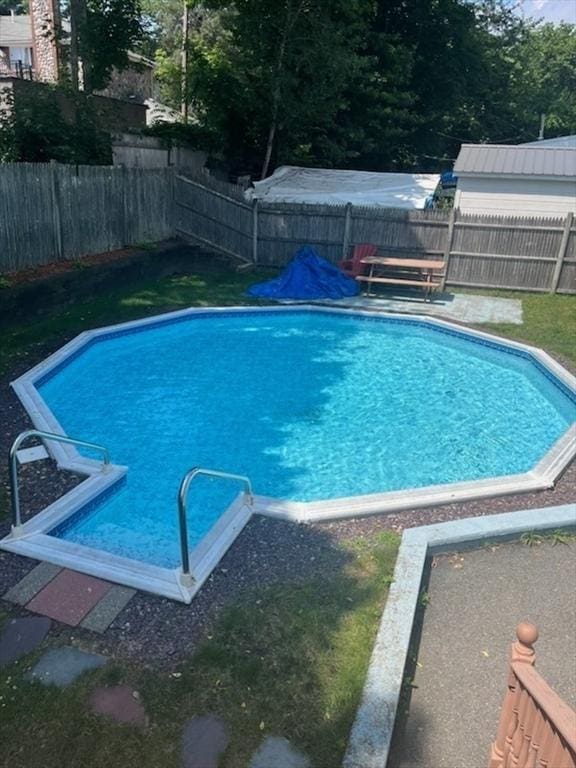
pixel 289 660
pixel 549 320
pixel 141 299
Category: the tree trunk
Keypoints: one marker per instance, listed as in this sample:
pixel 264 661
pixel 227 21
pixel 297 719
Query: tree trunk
pixel 184 64
pixel 277 92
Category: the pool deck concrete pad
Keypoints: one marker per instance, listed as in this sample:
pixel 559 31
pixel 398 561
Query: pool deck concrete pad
pixel 69 597
pixel 476 600
pixel 462 307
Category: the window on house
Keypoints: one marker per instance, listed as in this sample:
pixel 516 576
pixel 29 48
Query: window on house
pixel 21 54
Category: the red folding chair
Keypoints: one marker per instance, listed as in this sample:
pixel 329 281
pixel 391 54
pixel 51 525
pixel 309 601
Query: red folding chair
pixel 354 267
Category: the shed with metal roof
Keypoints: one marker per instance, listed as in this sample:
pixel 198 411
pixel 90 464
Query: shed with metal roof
pixel 520 180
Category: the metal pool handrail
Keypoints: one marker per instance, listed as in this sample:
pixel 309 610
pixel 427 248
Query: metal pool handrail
pixel 182 508
pixel 14 490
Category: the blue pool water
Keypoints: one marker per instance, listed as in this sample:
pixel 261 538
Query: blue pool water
pixel 308 405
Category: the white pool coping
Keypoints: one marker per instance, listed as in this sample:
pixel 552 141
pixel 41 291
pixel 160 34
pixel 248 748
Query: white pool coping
pixel 372 732
pixel 31 538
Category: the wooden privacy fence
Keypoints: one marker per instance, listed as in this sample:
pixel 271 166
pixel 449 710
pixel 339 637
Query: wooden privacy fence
pixel 537 729
pixel 50 212
pixel 533 254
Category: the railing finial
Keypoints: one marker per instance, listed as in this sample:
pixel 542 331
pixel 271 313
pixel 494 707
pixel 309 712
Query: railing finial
pixel 523 648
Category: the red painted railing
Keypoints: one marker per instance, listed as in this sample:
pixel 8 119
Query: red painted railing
pixel 537 729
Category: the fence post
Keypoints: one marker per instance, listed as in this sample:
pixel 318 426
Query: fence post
pixel 126 239
pixel 448 246
pixel 56 210
pixel 347 229
pixel 521 651
pixel 562 252
pixel 255 230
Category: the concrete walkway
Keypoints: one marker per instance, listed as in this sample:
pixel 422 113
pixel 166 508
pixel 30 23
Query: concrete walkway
pixel 476 600
pixel 463 307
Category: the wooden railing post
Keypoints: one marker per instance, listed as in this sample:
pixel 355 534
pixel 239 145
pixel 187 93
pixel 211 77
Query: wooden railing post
pixel 521 651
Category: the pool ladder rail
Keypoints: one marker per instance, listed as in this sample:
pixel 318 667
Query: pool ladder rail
pixel 13 464
pixel 186 577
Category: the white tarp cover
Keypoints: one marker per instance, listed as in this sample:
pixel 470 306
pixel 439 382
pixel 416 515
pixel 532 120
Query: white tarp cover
pixel 290 184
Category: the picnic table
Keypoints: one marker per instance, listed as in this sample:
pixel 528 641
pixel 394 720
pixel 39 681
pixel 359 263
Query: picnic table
pixel 427 274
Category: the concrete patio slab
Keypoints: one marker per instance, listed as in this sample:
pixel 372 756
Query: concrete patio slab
pixel 104 612
pixel 204 740
pixel 62 666
pixel 477 598
pixel 69 597
pixel 463 307
pixel 22 592
pixel 280 753
pixel 21 636
pixel 121 703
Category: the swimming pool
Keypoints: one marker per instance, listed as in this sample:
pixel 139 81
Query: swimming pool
pixel 330 413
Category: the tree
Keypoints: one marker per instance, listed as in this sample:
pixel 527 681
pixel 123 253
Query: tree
pixel 273 76
pixel 102 33
pixel 544 80
pixel 18 6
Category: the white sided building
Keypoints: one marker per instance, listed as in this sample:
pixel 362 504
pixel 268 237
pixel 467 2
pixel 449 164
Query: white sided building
pixel 536 179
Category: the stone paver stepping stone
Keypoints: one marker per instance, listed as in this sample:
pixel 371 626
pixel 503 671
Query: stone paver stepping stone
pixel 22 592
pixel 20 636
pixel 204 739
pixel 104 612
pixel 69 597
pixel 120 703
pixel 62 666
pixel 278 752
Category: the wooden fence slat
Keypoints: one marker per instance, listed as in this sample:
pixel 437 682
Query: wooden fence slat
pixel 47 213
pixel 561 253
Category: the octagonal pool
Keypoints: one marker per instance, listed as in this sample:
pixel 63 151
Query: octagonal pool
pixel 325 408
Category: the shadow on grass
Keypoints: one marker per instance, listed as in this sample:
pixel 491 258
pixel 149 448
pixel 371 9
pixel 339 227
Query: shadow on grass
pixel 288 659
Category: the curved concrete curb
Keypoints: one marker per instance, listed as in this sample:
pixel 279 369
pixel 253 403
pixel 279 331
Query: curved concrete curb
pixel 373 727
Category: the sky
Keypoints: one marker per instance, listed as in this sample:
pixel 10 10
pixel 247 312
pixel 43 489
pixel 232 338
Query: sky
pixel 549 10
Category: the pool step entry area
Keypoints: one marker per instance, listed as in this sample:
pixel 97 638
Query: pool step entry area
pixel 180 584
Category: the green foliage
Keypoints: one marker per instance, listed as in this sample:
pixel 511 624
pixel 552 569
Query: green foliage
pixel 107 30
pixel 382 85
pixel 544 80
pixel 558 536
pixel 18 6
pixel 45 123
pixel 191 135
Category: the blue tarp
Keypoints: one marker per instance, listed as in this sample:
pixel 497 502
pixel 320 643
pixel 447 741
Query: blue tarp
pixel 307 276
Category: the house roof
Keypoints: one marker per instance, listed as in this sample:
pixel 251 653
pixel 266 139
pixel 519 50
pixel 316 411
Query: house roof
pixel 16 31
pixel 559 141
pixel 516 160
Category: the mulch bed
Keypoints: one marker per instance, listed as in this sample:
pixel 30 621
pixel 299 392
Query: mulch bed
pixel 157 632
pixel 31 274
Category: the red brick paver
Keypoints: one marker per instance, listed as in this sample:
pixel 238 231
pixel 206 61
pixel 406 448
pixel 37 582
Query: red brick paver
pixel 69 597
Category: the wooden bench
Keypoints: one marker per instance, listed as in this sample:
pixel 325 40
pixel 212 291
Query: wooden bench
pixel 427 274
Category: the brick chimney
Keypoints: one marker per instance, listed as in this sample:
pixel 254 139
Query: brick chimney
pixel 45 17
